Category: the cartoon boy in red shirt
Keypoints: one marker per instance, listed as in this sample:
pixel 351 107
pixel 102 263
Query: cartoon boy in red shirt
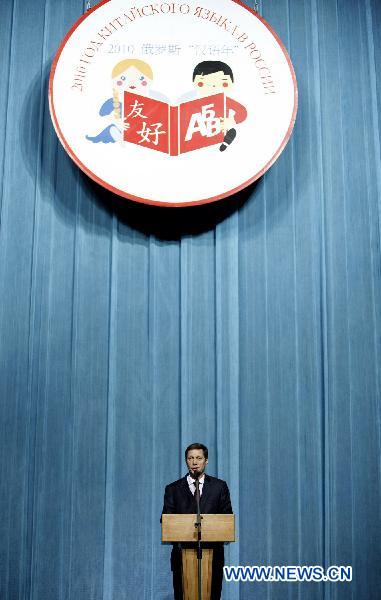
pixel 213 77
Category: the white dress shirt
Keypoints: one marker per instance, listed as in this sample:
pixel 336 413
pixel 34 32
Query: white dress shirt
pixel 192 483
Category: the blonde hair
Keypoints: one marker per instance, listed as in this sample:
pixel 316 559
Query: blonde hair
pixel 119 68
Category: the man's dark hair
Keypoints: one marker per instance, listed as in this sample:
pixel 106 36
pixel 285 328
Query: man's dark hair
pixel 212 66
pixel 197 446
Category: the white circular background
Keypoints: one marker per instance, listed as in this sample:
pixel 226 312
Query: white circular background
pixel 195 177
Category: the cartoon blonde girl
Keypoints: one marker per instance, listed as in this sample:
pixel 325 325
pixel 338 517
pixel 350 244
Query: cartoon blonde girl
pixel 129 75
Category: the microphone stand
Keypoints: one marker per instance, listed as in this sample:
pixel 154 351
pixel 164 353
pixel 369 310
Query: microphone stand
pixel 199 547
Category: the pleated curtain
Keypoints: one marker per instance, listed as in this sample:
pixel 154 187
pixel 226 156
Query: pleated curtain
pixel 252 325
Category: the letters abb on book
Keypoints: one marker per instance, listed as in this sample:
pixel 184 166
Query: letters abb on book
pixel 178 129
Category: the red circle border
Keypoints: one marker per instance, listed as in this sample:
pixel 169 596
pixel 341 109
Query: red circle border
pixel 118 192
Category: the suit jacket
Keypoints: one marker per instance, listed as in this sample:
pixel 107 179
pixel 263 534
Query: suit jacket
pixel 215 497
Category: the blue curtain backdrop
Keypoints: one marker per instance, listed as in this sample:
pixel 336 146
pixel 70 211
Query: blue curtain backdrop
pixel 252 325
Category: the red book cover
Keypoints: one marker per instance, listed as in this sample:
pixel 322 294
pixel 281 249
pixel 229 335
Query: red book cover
pixel 200 123
pixel 174 129
pixel 146 122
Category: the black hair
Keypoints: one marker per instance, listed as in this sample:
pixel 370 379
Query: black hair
pixel 212 66
pixel 197 446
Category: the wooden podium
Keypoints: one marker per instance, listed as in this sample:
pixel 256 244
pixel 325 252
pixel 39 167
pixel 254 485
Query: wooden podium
pixel 181 528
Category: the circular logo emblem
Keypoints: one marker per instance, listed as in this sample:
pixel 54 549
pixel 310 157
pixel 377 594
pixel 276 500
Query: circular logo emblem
pixel 173 103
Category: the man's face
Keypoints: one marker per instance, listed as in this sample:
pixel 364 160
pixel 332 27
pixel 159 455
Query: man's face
pixel 214 83
pixel 196 461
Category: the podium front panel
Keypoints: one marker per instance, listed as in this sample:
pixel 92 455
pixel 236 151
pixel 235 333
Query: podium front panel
pixel 181 528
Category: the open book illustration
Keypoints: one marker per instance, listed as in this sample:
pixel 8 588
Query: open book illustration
pixel 175 130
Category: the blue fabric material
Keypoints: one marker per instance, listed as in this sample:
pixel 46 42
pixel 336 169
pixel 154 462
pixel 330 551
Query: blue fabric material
pixel 104 136
pixel 252 325
pixel 107 107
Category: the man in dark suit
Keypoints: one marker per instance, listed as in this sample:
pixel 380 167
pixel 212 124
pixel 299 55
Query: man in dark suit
pixel 179 498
